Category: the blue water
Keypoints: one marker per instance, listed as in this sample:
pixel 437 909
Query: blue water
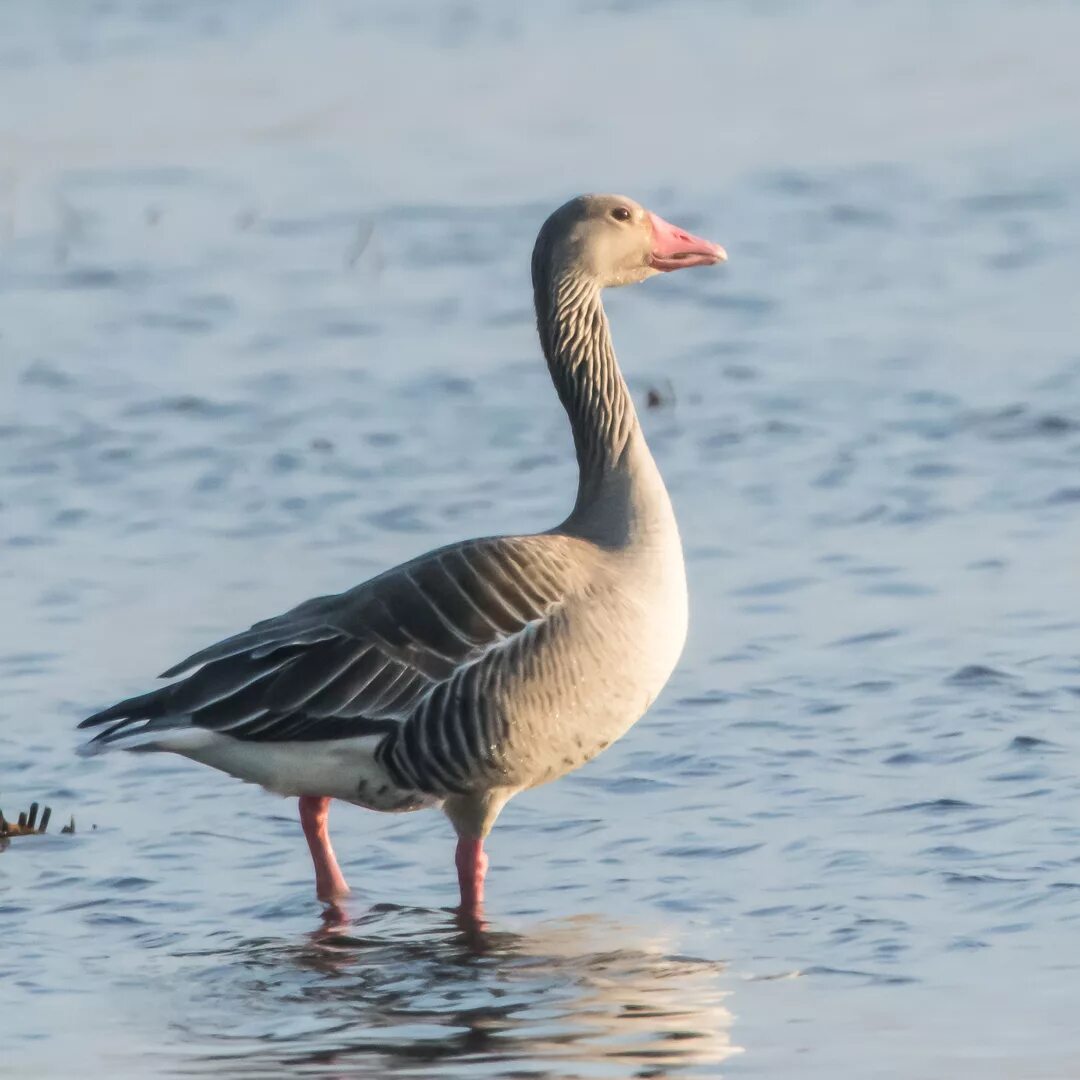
pixel 265 330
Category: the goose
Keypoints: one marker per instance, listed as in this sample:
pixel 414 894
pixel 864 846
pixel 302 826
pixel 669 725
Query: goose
pixel 482 669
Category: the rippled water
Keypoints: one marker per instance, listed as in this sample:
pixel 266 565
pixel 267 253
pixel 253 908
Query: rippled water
pixel 265 330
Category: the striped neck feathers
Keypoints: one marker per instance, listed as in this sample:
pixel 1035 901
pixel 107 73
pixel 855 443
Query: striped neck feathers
pixel 576 340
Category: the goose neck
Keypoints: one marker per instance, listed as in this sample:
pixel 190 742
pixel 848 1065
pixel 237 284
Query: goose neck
pixel 621 496
pixel 577 342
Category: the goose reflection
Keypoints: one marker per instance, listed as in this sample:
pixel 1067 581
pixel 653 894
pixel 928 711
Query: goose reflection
pixel 372 996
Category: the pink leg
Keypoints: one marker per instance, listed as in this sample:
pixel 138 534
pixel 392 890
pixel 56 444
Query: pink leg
pixel 330 883
pixel 472 865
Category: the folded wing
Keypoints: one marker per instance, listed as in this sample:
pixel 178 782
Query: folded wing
pixel 361 662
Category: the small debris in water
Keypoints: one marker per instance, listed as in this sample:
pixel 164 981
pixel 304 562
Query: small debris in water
pixel 27 823
pixel 655 398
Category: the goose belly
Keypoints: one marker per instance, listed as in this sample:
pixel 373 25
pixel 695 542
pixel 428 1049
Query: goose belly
pixel 557 696
pixel 600 680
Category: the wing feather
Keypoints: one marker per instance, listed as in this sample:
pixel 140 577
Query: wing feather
pixel 366 660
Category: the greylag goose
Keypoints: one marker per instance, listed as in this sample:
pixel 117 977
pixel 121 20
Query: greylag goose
pixel 471 673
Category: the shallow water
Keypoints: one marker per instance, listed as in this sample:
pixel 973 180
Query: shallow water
pixel 265 330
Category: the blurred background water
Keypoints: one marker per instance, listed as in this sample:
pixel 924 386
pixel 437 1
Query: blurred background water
pixel 265 330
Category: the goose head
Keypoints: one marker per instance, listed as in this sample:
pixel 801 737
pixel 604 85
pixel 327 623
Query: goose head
pixel 613 241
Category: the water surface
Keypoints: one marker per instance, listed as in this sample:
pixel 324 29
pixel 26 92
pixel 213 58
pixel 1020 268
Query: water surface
pixel 265 325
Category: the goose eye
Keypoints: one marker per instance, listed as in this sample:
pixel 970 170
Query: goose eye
pixel 620 213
